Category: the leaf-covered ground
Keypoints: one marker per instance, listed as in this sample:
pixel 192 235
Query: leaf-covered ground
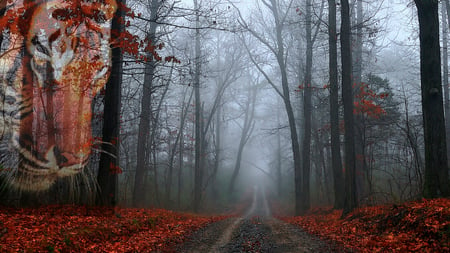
pixel 421 226
pixel 94 229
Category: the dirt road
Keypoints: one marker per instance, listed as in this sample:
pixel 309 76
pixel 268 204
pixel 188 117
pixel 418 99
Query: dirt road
pixel 255 231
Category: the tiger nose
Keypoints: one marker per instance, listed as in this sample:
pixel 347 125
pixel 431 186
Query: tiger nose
pixel 83 38
pixel 60 158
pixel 64 158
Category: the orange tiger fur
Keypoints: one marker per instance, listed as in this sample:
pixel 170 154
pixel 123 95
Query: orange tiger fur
pixel 57 60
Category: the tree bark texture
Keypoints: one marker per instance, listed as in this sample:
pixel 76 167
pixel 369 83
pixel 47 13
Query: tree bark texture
pixel 307 107
pixel 198 169
pixel 436 170
pixel 109 161
pixel 360 124
pixel 278 166
pixel 350 201
pixel 336 160
pixel 290 112
pixel 445 24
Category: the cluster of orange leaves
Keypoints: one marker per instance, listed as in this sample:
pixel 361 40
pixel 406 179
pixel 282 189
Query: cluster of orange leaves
pixel 95 229
pixel 365 102
pixel 134 45
pixel 421 226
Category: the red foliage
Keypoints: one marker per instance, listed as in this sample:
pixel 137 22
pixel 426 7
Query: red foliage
pixel 16 20
pixel 365 102
pixel 422 226
pixel 95 229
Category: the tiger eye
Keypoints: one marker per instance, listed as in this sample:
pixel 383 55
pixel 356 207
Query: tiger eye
pixel 98 16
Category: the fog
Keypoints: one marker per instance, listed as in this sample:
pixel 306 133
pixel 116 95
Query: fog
pixel 212 93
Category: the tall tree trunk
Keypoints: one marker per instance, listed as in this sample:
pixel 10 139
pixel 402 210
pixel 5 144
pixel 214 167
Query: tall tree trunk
pixel 436 170
pixel 181 150
pixel 180 168
pixel 143 132
pixel 445 23
pixel 217 148
pixel 290 112
pixel 198 177
pixel 360 139
pixel 139 194
pixel 307 107
pixel 350 201
pixel 218 126
pixel 294 141
pixel 336 159
pixel 278 167
pixel 109 160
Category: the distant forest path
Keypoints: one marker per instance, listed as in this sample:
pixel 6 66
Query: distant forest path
pixel 255 231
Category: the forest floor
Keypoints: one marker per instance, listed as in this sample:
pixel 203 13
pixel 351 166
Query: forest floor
pixel 416 226
pixel 420 226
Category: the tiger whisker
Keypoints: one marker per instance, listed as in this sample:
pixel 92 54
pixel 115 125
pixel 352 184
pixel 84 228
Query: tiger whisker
pixel 103 151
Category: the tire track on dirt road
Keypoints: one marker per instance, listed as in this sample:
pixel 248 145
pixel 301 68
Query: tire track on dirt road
pixel 255 231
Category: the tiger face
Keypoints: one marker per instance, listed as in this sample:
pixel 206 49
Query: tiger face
pixel 63 62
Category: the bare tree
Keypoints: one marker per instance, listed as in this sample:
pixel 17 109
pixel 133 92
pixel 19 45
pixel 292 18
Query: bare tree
pixel 144 122
pixel 277 48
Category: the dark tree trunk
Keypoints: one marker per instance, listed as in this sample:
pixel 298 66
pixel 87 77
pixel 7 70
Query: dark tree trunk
pixel 436 170
pixel 307 107
pixel 145 116
pixel 360 128
pixel 180 168
pixel 109 161
pixel 143 133
pixel 278 167
pixel 218 137
pixel 290 113
pixel 185 110
pixel 198 175
pixel 336 160
pixel 445 23
pixel 350 201
pixel 218 153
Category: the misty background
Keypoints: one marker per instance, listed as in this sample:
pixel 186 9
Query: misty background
pixel 238 102
pixel 199 132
